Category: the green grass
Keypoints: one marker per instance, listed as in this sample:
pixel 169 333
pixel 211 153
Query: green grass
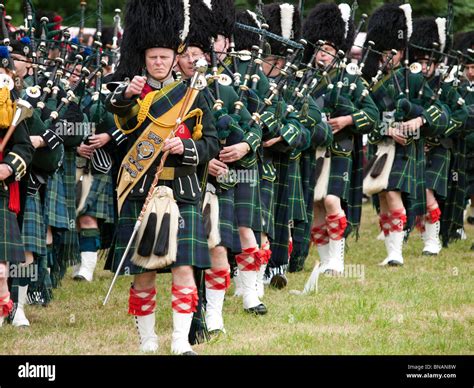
pixel 426 307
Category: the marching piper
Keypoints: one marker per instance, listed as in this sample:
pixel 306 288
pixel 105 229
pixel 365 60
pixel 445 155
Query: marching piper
pixel 428 43
pixel 338 189
pixel 395 173
pixel 32 216
pixel 168 125
pixel 15 156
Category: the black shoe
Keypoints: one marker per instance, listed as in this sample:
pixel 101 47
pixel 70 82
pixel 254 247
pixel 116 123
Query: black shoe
pixel 427 253
pixel 394 263
pixel 470 220
pixel 472 248
pixel 278 281
pixel 261 309
pixel 190 353
pixel 79 278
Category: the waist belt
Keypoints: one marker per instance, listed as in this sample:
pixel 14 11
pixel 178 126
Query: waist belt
pixel 170 173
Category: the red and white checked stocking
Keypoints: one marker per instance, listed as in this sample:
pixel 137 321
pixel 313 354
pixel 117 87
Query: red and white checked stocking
pixel 336 225
pixel 141 302
pixel 249 260
pixel 217 278
pixel 398 219
pixel 184 299
pixel 319 235
pixel 433 215
pixel 6 305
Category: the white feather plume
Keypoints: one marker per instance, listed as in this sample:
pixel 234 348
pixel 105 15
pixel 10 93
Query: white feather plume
pixel 407 10
pixel 346 15
pixel 287 11
pixel 441 24
pixel 254 17
pixel 208 3
pixel 187 21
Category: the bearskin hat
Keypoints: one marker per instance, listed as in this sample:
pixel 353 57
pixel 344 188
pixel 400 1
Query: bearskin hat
pixel 149 24
pixel 223 17
pixel 331 23
pixel 244 40
pixel 107 37
pixel 283 20
pixel 389 27
pixel 463 42
pixel 201 29
pixel 426 31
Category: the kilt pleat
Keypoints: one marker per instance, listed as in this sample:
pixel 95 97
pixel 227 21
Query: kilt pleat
pixel 302 229
pixel 452 208
pixel 99 202
pixel 469 173
pixel 33 227
pixel 267 206
pixel 69 247
pixel 403 174
pixel 56 214
pixel 280 242
pixel 353 206
pixel 227 227
pixel 339 176
pixel 296 198
pixel 11 244
pixel 246 194
pixel 436 170
pixel 415 203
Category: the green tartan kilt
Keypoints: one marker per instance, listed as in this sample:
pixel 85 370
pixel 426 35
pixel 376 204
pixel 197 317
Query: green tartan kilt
pixel 437 170
pixel 192 242
pixel 11 244
pixel 302 229
pixel 415 204
pixel 247 209
pixel 297 205
pixel 100 200
pixel 243 210
pixel 69 249
pixel 452 208
pixel 227 227
pixel 470 174
pixel 403 174
pixel 339 176
pixel 267 206
pixel 33 228
pixel 55 213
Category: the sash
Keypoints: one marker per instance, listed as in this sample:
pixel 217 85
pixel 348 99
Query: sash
pixel 148 146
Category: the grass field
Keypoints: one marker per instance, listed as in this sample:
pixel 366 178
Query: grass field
pixel 425 307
